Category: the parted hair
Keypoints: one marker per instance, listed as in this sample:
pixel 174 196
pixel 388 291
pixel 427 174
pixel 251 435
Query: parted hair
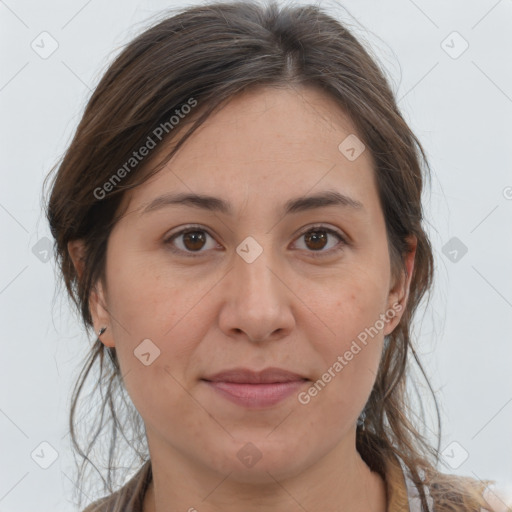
pixel 210 53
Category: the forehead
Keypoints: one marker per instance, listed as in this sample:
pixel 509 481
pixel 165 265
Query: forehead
pixel 266 144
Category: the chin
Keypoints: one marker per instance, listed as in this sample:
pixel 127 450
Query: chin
pixel 261 461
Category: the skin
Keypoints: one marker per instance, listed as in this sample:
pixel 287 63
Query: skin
pixel 286 309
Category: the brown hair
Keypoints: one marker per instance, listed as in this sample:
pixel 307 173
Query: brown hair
pixel 207 54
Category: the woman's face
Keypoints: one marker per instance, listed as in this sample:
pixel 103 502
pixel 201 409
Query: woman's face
pixel 288 267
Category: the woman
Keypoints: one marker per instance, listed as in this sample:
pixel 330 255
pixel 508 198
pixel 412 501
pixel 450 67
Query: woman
pixel 239 219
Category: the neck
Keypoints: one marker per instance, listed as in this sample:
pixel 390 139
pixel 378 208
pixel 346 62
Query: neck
pixel 340 480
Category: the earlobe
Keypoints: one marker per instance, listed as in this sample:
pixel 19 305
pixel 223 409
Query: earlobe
pixel 399 293
pixel 100 315
pixel 97 300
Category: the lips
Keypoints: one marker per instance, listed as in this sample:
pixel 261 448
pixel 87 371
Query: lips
pixel 246 376
pixel 251 389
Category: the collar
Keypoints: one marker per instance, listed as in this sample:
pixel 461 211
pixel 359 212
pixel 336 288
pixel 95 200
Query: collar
pixel 403 494
pixel 396 487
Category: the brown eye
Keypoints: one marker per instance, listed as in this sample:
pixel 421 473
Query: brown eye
pixel 316 239
pixel 190 242
pixel 194 240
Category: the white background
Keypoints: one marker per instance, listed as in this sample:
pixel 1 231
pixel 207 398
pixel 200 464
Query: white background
pixel 459 107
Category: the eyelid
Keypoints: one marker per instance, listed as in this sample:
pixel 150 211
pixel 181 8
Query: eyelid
pixel 192 227
pixel 343 239
pixel 322 227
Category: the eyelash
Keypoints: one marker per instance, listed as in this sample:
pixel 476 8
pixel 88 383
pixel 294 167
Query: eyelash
pixel 314 254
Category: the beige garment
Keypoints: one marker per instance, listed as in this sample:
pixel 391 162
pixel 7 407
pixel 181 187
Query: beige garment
pixel 131 496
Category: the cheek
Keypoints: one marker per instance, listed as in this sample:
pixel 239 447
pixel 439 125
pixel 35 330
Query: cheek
pixel 352 348
pixel 156 328
pixel 159 394
pixel 351 309
pixel 340 392
pixel 149 299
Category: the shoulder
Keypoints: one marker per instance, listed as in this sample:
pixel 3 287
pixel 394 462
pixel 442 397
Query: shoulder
pixel 464 493
pixel 499 497
pixel 444 492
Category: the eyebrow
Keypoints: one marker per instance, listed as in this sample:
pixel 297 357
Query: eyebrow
pixel 215 204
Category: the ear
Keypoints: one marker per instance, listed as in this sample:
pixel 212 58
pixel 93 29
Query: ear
pixel 399 291
pixel 97 299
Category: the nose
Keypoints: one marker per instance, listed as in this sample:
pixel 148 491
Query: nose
pixel 257 303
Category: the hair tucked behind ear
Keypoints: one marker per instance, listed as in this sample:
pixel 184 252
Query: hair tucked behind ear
pixel 209 54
